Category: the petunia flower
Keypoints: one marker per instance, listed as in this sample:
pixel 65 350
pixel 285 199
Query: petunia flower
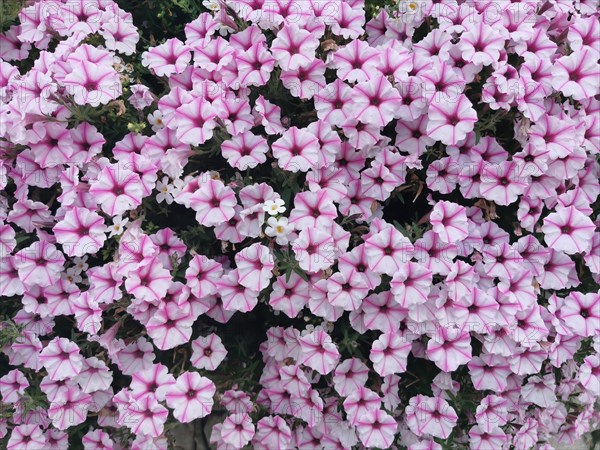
pixel 169 58
pixel 294 47
pixel 234 295
pixel 213 202
pixel 356 62
pixel 117 189
pixel 13 386
pixel 589 373
pixel 305 81
pixel 333 102
pixel 237 430
pixel 312 210
pixel 255 65
pixel 345 292
pixel 568 230
pixel 194 121
pixel 62 359
pixel 430 415
pixel 449 348
pixel 576 75
pixel 319 352
pixel 150 283
pixel 540 391
pixel 92 84
pixel 481 440
pixel 26 437
pixel 40 264
pixel 245 150
pixel 581 313
pixel 411 284
pixel 191 397
pixel 482 43
pixel 389 353
pixel 387 250
pixel 80 232
pixel 359 402
pixel 375 101
pixel 207 352
pixel 350 375
pixel 492 413
pixel 202 276
pixel 272 432
pixel 503 182
pixel 377 429
pixel 144 416
pixel 451 121
pixel 297 150
pixel 269 115
pixel 170 326
pixel 449 221
pixel 289 295
pixel 255 265
pixel 314 250
pixel 97 439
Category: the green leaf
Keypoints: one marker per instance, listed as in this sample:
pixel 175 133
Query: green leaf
pixel 301 272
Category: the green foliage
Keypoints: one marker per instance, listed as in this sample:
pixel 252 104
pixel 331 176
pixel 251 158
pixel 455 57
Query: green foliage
pixel 9 10
pixel 9 331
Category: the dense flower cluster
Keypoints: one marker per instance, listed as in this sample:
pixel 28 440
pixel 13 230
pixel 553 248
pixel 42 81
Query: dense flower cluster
pixel 285 143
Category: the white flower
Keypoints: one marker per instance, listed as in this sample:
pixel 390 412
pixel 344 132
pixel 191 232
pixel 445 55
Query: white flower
pixel 72 275
pixel 211 5
pixel 80 265
pixel 156 120
pixel 165 191
pixel 118 226
pixel 279 229
pixel 274 207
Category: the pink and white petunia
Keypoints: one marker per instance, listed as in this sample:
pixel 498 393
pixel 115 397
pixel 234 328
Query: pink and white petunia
pixel 213 202
pixel 387 250
pixel 449 348
pixel 255 266
pixel 451 121
pixel 237 430
pixel 430 415
pixel 12 386
pixel 92 84
pixel 568 230
pixel 170 325
pixel 375 101
pixel 194 121
pixel 167 59
pixel 62 359
pixel 297 150
pixel 319 352
pixel 390 352
pixel 376 429
pixel 272 432
pixel 40 264
pixel 581 313
pixel 208 352
pixel 449 221
pixel 117 189
pixel 576 75
pixel 80 232
pixel 191 397
pixel 294 47
pixel 314 250
pixel 144 416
